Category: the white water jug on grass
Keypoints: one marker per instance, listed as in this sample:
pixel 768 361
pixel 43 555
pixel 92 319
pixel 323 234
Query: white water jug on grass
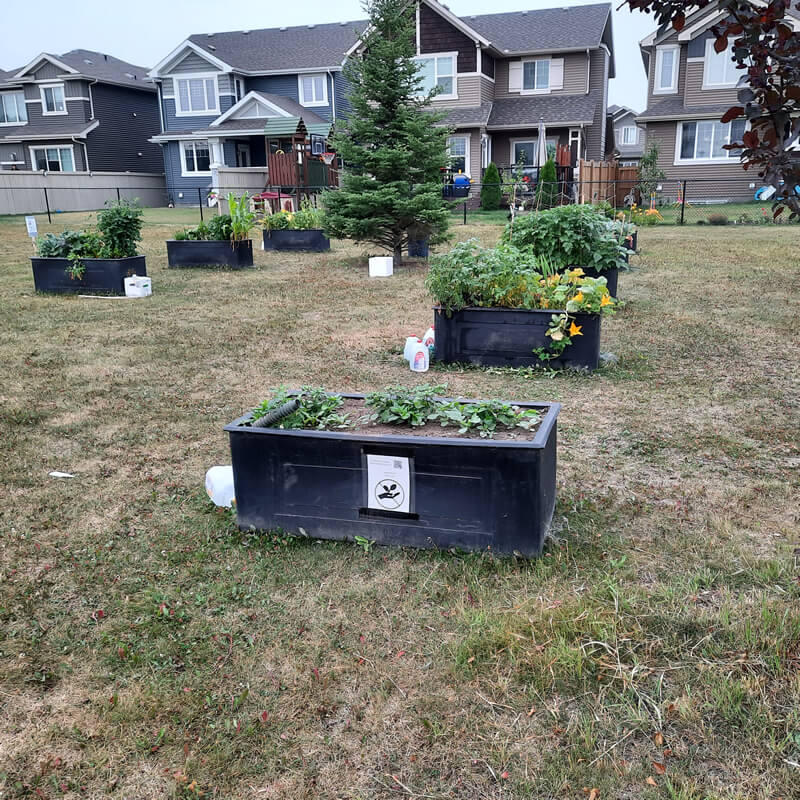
pixel 219 486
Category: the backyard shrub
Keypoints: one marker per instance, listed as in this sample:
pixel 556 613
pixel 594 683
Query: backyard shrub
pixel 120 227
pixel 547 186
pixel 490 191
pixel 575 235
pixel 717 219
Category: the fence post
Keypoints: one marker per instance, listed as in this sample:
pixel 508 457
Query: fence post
pixel 47 205
pixel 465 212
pixel 683 200
pixel 119 200
pixel 200 202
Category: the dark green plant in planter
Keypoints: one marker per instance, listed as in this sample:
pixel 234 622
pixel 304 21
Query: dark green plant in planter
pixel 490 191
pixel 547 187
pixel 570 236
pixel 120 227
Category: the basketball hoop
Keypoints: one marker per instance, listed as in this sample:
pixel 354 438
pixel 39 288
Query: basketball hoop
pixel 327 157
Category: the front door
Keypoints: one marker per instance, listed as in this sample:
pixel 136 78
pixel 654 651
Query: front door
pixel 242 154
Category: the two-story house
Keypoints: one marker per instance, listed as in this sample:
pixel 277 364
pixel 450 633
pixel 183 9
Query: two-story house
pixel 690 87
pixel 218 91
pixel 498 76
pixel 78 112
pixel 625 140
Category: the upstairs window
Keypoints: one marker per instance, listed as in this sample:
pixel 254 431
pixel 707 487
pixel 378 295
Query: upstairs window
pixel 666 77
pixel 313 90
pixel 630 134
pixel 197 96
pixel 704 140
pixel 536 75
pixel 12 109
pixel 53 100
pixel 719 69
pixel 438 72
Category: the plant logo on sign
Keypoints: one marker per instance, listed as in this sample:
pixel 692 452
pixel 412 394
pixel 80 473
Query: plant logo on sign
pixel 389 494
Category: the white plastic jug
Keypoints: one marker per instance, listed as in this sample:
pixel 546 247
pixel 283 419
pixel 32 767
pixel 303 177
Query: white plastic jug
pixel 410 346
pixel 429 339
pixel 420 358
pixel 219 486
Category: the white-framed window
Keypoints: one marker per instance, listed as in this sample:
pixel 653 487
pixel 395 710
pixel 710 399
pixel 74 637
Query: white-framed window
pixel 665 80
pixel 525 151
pixel 704 139
pixel 12 108
pixel 196 95
pixel 719 69
pixel 439 72
pixel 195 158
pixel 536 75
pixel 458 150
pixel 238 86
pixel 53 159
pixel 313 89
pixel 53 101
pixel 630 134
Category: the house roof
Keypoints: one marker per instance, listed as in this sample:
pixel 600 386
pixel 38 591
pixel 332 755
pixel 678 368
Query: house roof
pixel 674 108
pixel 49 129
pixel 477 116
pixel 283 49
pixel 94 65
pixel 525 112
pixel 546 29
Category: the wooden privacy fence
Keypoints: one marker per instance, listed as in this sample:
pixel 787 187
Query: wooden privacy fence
pixel 601 181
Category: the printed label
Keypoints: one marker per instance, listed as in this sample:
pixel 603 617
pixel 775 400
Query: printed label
pixel 388 483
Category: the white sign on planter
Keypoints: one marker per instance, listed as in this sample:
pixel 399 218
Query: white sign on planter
pixel 388 483
pixel 381 266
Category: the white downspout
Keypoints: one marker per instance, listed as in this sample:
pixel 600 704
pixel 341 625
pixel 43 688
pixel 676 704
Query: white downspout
pixel 85 152
pixel 333 95
pixel 160 107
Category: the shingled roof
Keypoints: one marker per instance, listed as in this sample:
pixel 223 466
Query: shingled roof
pixel 674 108
pixel 525 112
pixel 283 49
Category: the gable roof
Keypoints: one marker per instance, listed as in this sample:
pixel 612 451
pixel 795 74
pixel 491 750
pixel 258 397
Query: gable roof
pixel 277 50
pixel 546 29
pixel 88 64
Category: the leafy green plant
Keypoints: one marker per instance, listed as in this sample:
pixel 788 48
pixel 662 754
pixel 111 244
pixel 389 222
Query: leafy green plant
pixel 120 226
pixel 486 416
pixel 73 245
pixel 717 219
pixel 547 186
pixel 574 235
pixel 318 410
pixel 307 218
pixel 650 174
pixel 490 190
pixel 242 219
pixel 396 405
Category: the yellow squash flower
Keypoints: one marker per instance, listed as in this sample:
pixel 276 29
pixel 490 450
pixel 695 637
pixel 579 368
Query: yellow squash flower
pixel 575 330
pixel 577 272
pixel 578 297
pixel 606 300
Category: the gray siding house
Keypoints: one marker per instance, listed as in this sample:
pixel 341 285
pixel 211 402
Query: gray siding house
pixel 498 74
pixel 78 112
pixel 690 87
pixel 626 140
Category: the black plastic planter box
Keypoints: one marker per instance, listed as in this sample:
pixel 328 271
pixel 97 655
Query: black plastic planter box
pixel 471 494
pixel 611 276
pixel 189 253
pixel 101 275
pixel 313 240
pixel 506 337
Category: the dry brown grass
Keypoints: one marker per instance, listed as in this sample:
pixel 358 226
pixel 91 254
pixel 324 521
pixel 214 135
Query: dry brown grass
pixel 661 628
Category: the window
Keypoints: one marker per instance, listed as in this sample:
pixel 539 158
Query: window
pixel 313 90
pixel 719 69
pixel 196 158
pixel 524 152
pixel 704 140
pixel 458 148
pixel 197 96
pixel 238 84
pixel 536 75
pixel 630 134
pixel 438 72
pixel 52 159
pixel 53 100
pixel 666 77
pixel 12 109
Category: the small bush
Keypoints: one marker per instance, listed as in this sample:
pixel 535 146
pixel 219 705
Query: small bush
pixel 490 191
pixel 547 186
pixel 717 219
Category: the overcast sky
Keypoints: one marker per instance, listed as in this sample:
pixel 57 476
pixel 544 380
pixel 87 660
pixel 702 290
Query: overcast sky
pixel 144 31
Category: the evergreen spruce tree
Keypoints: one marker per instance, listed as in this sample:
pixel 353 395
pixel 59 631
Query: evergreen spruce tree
pixel 490 191
pixel 390 146
pixel 547 187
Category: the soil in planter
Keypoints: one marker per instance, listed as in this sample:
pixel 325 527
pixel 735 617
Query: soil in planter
pixel 356 409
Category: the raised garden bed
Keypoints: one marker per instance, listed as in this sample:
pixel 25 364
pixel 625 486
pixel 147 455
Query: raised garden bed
pixel 507 337
pixel 312 240
pixel 454 491
pixel 611 276
pixel 101 275
pixel 209 253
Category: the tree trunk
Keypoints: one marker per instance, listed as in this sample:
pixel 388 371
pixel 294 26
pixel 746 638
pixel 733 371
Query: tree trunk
pixel 398 255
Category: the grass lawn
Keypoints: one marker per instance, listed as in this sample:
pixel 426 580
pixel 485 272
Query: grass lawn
pixel 149 650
